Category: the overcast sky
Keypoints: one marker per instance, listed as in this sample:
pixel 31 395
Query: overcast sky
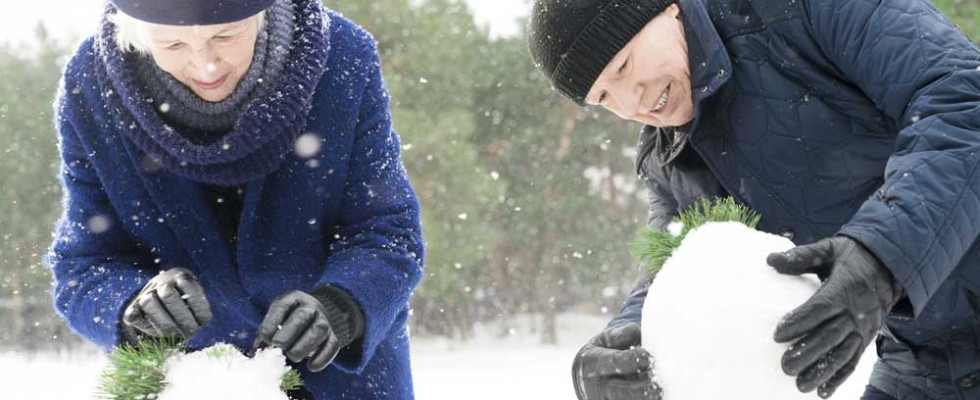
pixel 78 17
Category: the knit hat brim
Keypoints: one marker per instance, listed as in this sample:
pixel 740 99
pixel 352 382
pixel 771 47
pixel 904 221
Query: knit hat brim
pixel 600 41
pixel 191 12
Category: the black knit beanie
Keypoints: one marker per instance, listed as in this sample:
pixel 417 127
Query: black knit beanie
pixel 572 41
pixel 191 12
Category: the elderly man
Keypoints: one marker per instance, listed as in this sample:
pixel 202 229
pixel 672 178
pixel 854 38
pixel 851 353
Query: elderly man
pixel 852 126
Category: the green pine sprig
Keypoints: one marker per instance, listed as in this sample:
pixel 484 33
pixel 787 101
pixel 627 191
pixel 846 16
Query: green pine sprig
pixel 654 247
pixel 138 372
pixel 290 381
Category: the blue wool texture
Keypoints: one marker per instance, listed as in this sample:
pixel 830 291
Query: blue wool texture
pixel 327 202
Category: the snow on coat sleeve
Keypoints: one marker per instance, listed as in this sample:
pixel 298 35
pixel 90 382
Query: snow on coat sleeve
pixel 96 266
pixel 378 256
pixel 921 71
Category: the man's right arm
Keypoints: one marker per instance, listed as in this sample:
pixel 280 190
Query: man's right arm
pixel 670 188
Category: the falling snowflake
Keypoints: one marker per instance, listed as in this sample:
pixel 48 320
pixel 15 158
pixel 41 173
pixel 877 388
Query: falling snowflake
pixel 307 145
pixel 99 224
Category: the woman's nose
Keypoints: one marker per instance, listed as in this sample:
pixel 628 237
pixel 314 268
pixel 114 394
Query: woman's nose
pixel 204 60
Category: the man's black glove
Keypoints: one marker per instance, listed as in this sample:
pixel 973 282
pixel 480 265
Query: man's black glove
pixel 612 366
pixel 839 321
pixel 315 325
pixel 171 304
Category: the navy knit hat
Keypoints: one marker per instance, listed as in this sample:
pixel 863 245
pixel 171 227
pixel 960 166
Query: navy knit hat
pixel 572 41
pixel 191 12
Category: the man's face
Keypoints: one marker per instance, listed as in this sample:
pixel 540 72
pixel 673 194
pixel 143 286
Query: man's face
pixel 649 80
pixel 208 59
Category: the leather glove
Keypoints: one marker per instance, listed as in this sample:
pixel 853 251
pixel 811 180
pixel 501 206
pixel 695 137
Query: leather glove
pixel 839 321
pixel 314 325
pixel 612 366
pixel 171 304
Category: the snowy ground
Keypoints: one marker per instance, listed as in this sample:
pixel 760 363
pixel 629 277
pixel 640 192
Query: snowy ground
pixel 486 367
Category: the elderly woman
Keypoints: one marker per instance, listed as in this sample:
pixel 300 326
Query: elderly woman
pixel 231 175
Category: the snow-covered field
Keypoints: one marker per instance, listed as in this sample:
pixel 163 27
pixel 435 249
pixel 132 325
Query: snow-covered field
pixel 483 368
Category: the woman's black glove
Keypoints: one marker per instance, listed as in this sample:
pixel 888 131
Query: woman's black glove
pixel 171 304
pixel 839 321
pixel 315 325
pixel 612 366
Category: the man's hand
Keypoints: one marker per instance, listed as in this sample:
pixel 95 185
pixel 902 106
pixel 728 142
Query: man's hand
pixel 839 321
pixel 171 304
pixel 612 366
pixel 297 323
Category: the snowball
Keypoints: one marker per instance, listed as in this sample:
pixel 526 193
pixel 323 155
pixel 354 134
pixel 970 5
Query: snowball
pixel 710 315
pixel 221 372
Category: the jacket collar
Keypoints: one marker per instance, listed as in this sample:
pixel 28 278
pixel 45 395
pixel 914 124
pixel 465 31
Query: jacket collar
pixel 710 68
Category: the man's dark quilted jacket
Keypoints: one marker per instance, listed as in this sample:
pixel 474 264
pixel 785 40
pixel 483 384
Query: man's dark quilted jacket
pixel 853 117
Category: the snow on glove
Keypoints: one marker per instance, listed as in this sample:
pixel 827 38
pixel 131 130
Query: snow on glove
pixel 171 304
pixel 315 325
pixel 612 366
pixel 839 321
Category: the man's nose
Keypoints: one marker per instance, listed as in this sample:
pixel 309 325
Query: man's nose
pixel 628 96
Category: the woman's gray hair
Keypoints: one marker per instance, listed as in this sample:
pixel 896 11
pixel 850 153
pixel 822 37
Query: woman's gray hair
pixel 129 38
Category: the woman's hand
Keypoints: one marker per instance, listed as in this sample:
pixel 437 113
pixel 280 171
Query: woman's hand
pixel 171 304
pixel 297 322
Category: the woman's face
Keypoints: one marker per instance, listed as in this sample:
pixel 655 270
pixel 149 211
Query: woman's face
pixel 208 59
pixel 649 80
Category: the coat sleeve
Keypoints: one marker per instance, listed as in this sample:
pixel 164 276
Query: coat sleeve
pixel 671 187
pixel 95 264
pixel 662 210
pixel 377 257
pixel 922 72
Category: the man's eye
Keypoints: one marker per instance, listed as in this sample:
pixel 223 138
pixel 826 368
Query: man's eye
pixel 602 98
pixel 622 68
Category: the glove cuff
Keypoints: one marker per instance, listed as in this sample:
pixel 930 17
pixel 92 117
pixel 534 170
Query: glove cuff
pixel 128 334
pixel 343 313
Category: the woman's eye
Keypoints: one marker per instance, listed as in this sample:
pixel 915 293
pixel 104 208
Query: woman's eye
pixel 175 46
pixel 222 38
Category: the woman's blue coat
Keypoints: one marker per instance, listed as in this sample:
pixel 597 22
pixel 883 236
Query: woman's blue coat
pixel 345 217
pixel 851 117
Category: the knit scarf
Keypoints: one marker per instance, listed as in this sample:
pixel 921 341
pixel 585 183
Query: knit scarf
pixel 266 126
pixel 201 121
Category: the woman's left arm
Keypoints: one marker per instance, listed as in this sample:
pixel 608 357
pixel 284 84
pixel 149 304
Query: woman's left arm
pixel 378 251
pixel 922 72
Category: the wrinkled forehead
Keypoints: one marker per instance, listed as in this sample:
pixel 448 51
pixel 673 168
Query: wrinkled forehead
pixel 169 32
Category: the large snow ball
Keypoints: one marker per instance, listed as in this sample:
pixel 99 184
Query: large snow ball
pixel 221 372
pixel 710 314
pixel 161 369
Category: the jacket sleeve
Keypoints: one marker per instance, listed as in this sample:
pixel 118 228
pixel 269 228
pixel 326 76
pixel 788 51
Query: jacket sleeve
pixel 95 264
pixel 377 255
pixel 922 72
pixel 662 210
pixel 671 186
